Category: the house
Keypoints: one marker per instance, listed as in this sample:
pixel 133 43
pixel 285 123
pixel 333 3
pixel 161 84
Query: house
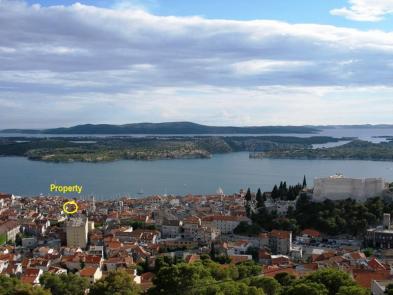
pixel 239 247
pixel 225 224
pixel 170 228
pixel 8 231
pixel 92 274
pixel 114 263
pixel 278 241
pixel 191 224
pixel 31 276
pixel 378 287
pixel 235 259
pixel 355 258
pixel 264 256
pixel 206 234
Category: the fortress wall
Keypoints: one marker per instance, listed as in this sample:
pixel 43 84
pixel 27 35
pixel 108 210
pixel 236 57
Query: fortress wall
pixel 342 188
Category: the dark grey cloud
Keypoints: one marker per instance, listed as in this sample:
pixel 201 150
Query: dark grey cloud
pixel 99 56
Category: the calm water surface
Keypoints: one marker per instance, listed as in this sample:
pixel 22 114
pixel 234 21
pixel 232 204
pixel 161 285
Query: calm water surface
pixel 198 176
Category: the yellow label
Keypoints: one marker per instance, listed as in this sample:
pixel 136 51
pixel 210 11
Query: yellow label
pixel 65 189
pixel 72 203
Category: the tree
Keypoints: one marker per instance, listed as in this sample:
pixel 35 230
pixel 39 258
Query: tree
pixel 116 283
pixel 176 279
pixel 18 239
pixel 332 279
pixel 162 261
pixel 248 195
pixel 269 285
pixel 304 181
pixel 389 289
pixel 13 286
pixel 284 279
pixel 254 252
pixel 352 290
pixel 230 288
pixel 248 269
pixel 259 198
pixel 64 284
pixel 308 288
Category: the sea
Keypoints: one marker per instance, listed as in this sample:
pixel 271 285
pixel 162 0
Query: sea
pixel 230 172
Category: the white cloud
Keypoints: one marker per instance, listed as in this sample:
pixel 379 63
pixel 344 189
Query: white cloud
pixel 114 65
pixel 365 10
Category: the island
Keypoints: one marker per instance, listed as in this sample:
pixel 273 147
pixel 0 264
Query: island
pixel 354 150
pixel 167 128
pixel 100 149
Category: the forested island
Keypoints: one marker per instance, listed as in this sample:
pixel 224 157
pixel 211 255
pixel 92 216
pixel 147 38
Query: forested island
pixel 354 150
pixel 166 128
pixel 99 149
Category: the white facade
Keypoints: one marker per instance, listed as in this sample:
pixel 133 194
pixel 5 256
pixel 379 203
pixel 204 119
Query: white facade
pixel 77 232
pixel 338 187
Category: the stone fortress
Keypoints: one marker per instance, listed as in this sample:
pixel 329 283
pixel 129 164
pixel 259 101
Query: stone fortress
pixel 338 187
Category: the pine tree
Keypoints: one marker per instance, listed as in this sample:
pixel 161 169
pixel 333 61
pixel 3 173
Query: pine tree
pixel 304 181
pixel 259 198
pixel 248 195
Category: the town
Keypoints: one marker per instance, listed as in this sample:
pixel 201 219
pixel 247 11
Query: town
pixel 138 237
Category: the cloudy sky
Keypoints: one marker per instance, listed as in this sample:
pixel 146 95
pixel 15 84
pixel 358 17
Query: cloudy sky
pixel 218 62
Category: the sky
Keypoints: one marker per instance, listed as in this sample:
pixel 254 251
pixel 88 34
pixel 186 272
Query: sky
pixel 216 62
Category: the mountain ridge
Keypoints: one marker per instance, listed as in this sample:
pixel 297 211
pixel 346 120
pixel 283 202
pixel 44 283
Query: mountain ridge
pixel 165 128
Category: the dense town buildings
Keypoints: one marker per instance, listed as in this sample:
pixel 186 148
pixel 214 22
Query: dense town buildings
pixel 124 233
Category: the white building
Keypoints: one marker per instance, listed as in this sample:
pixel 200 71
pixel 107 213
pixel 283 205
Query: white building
pixel 379 287
pixel 77 232
pixel 225 224
pixel 338 187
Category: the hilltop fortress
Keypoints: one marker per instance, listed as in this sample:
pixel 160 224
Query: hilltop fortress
pixel 338 187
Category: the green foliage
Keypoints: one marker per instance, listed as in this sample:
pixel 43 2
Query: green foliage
pixel 269 285
pixel 163 261
pixel 357 150
pixel 178 278
pixel 206 277
pixel 308 288
pixel 18 240
pixel 248 269
pixel 284 279
pixel 340 217
pixel 283 192
pixel 352 290
pixel 229 288
pixel 3 239
pixel 254 252
pixel 248 195
pixel 116 283
pixel 13 286
pixel 64 284
pixel 246 229
pixel 368 252
pixel 109 149
pixel 332 279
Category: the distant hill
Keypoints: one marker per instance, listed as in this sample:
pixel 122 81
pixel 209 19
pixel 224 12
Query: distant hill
pixel 166 128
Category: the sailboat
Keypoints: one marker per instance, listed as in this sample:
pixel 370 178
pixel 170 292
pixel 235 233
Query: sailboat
pixel 141 192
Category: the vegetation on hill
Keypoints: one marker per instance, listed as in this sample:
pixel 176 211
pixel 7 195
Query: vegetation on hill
pixel 64 284
pixel 355 150
pixel 13 286
pixel 204 277
pixel 147 148
pixel 167 128
pixel 329 217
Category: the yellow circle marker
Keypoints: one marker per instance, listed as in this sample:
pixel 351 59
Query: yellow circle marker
pixel 70 203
